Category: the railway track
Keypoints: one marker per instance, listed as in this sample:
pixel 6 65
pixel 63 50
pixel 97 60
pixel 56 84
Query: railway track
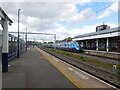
pixel 106 76
pixel 102 58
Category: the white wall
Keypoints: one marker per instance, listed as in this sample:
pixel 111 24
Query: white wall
pixel 98 36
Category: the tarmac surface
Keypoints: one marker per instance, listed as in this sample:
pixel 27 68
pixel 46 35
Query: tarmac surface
pixel 38 69
pixel 33 70
pixel 80 78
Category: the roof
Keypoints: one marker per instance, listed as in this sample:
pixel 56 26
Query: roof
pixel 5 16
pixel 103 32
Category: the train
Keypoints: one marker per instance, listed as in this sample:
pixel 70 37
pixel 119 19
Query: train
pixel 13 46
pixel 68 46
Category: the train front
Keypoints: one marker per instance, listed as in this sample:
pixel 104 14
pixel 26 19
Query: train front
pixel 76 47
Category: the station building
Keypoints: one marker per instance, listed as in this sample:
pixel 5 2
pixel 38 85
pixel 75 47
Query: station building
pixel 104 40
pixel 4 22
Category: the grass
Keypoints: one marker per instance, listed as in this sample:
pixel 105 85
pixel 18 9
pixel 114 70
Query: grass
pixel 91 61
pixel 118 68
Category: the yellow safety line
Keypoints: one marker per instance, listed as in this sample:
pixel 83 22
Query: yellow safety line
pixel 78 86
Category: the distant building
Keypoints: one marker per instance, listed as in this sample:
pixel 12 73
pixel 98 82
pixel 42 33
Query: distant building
pixel 102 27
pixel 104 39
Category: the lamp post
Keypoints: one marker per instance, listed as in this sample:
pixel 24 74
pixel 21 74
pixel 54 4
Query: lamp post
pixel 55 41
pixel 18 34
pixel 26 39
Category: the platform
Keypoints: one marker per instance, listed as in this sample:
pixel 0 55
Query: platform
pixel 33 70
pixel 38 69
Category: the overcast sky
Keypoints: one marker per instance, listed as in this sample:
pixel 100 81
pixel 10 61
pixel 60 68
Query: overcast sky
pixel 61 18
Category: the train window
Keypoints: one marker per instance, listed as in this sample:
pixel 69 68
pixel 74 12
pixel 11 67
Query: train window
pixel 73 45
pixel 76 44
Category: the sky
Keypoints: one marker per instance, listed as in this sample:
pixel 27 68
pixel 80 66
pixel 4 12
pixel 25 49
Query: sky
pixel 65 19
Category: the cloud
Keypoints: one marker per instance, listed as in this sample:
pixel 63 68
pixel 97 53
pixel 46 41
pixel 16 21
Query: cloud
pixel 41 16
pixel 88 29
pixel 87 13
pixel 74 32
pixel 83 2
pixel 44 17
pixel 14 27
pixel 108 11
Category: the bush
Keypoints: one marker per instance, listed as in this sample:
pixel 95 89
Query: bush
pixel 118 68
pixel 81 57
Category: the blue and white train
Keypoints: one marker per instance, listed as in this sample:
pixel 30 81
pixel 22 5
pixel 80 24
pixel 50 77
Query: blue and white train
pixel 69 46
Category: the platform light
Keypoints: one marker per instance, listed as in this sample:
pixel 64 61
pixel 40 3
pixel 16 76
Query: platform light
pixel 18 52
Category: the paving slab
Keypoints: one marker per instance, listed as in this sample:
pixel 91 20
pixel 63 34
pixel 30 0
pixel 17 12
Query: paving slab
pixel 33 70
pixel 80 78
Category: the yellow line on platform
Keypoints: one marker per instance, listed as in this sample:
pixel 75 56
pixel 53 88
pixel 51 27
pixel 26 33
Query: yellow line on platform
pixel 49 59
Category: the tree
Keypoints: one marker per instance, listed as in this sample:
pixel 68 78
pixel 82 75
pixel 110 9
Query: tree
pixel 69 39
pixel 50 42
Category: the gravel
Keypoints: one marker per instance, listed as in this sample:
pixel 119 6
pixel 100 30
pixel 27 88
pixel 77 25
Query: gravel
pixel 107 76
